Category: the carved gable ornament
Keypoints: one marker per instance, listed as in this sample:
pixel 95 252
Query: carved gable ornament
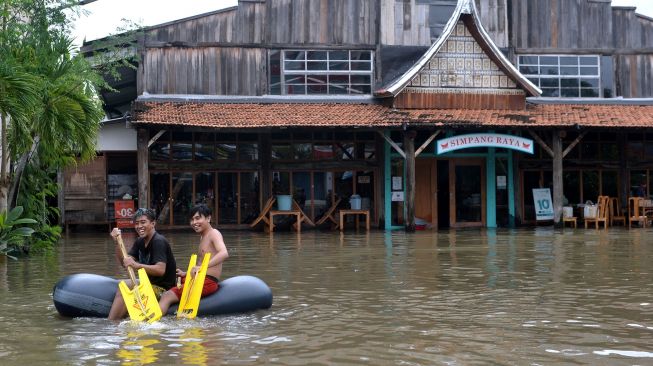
pixel 461 66
pixel 464 60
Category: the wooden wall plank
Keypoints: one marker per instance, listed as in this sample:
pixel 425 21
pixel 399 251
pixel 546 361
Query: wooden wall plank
pixel 468 101
pixel 206 70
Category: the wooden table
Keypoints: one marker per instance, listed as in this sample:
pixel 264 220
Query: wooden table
pixel 343 213
pixel 297 213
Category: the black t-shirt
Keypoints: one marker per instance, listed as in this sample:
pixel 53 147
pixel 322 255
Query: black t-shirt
pixel 158 250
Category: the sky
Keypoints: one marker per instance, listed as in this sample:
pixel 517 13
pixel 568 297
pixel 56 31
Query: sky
pixel 105 15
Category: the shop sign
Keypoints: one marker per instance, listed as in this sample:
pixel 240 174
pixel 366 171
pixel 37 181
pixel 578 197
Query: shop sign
pixel 543 204
pixel 124 212
pixel 485 140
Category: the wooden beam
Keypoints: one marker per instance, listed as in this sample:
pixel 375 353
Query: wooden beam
pixel 393 144
pixel 155 137
pixel 426 143
pixel 409 145
pixel 557 177
pixel 574 143
pixel 142 160
pixel 542 143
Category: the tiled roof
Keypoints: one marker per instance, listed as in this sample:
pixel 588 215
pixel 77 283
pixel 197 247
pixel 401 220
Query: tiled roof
pixel 254 115
pixel 541 115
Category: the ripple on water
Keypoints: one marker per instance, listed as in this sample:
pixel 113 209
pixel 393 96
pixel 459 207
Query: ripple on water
pixel 455 297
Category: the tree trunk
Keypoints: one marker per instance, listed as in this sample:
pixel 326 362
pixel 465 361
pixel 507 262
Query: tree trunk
pixel 18 174
pixel 4 164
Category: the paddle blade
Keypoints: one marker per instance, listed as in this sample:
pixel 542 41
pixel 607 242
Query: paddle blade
pixel 141 301
pixel 188 283
pixel 192 301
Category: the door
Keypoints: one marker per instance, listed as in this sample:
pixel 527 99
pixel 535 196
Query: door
pixel 425 190
pixel 85 192
pixel 467 192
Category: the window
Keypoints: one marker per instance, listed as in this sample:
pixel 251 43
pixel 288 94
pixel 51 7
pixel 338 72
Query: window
pixel 323 146
pixel 565 76
pixel 321 72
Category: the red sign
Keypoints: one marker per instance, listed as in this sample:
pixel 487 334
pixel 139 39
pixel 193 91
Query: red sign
pixel 124 212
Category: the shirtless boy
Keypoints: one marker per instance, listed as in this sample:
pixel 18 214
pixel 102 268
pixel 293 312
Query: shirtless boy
pixel 210 242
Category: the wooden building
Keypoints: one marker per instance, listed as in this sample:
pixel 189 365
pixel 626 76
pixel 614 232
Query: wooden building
pixel 445 111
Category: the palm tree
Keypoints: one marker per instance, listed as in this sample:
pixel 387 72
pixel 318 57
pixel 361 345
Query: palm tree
pixel 48 105
pixel 18 96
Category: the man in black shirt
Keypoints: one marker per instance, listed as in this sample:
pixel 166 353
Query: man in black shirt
pixel 150 251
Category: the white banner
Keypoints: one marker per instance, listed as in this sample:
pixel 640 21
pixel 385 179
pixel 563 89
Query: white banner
pixel 485 140
pixel 543 203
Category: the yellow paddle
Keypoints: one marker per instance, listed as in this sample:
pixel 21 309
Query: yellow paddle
pixel 193 285
pixel 141 302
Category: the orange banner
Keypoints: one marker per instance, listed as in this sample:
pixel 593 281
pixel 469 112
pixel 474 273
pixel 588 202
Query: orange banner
pixel 124 212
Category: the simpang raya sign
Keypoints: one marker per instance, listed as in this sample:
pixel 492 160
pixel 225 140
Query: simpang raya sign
pixel 485 140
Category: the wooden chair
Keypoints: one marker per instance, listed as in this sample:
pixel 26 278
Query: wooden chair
pixel 572 220
pixel 330 214
pixel 304 218
pixel 615 212
pixel 263 215
pixel 601 213
pixel 636 211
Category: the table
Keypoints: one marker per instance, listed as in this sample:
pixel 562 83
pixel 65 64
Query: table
pixel 297 213
pixel 343 213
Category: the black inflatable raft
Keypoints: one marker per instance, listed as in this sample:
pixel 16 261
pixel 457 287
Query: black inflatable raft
pixel 91 295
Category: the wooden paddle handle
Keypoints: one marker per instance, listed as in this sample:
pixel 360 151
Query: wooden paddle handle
pixel 130 270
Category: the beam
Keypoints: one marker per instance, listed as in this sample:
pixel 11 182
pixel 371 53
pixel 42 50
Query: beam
pixel 142 160
pixel 427 142
pixel 393 144
pixel 574 143
pixel 409 145
pixel 155 137
pixel 557 177
pixel 542 143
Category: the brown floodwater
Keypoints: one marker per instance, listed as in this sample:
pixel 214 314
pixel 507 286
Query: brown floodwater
pixel 538 296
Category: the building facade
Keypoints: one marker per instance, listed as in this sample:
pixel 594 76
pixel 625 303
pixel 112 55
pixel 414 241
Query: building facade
pixel 442 112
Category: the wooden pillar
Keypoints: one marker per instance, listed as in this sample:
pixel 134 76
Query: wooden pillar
pixel 491 189
pixel 266 165
pixel 556 146
pixel 379 180
pixel 624 191
pixel 142 158
pixel 409 149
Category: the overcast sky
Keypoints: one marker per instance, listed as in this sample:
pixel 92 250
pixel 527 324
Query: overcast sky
pixel 105 15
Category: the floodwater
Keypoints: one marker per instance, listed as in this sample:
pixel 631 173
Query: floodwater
pixel 538 296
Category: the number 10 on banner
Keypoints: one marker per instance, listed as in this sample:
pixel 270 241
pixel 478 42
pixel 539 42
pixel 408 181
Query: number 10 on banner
pixel 543 203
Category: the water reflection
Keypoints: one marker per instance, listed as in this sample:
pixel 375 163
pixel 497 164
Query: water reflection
pixel 192 350
pixel 139 349
pixel 522 296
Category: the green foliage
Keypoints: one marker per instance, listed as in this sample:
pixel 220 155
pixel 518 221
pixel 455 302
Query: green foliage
pixel 48 97
pixel 13 235
pixel 36 198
